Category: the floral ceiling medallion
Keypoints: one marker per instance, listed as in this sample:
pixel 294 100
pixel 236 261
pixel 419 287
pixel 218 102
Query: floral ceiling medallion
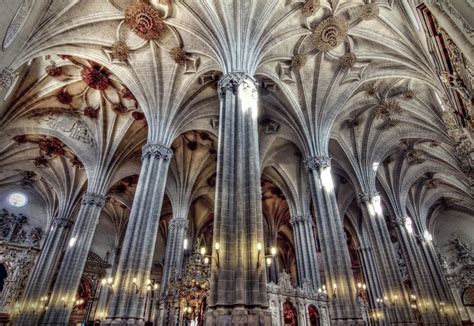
pixel 369 11
pixel 120 51
pixel 310 7
pixel 144 20
pixel 330 33
pixel 95 78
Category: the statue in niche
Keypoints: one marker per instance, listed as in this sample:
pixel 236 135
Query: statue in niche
pixel 289 314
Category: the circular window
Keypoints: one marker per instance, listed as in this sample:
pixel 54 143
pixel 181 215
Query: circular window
pixel 17 199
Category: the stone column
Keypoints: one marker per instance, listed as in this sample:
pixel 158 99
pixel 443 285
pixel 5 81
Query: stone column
pixel 174 250
pixel 424 286
pixel 128 300
pixel 305 247
pixel 238 286
pixel 451 313
pixel 386 265
pixel 106 290
pixel 337 263
pixel 39 284
pixel 65 287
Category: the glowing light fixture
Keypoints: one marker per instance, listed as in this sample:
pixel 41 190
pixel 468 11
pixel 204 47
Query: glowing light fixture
pixel 185 243
pixel 17 199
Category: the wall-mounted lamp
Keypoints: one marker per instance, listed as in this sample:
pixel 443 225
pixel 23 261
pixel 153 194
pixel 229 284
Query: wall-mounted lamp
pixel 134 283
pixel 268 258
pixel 207 258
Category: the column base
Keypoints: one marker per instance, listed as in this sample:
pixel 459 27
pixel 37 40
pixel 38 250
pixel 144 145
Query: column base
pixel 238 317
pixel 347 322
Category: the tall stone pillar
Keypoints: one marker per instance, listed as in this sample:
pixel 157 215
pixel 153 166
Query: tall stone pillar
pixel 305 247
pixel 337 265
pixel 128 300
pixel 238 285
pixel 69 275
pixel 387 268
pixel 418 269
pixel 174 250
pixel 37 291
pixel 105 290
pixel 449 309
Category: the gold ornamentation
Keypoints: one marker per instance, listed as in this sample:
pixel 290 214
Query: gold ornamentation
pixel 298 62
pixel 120 51
pixel 369 11
pixel 178 55
pixel 330 33
pixel 144 20
pixel 310 7
pixel 348 60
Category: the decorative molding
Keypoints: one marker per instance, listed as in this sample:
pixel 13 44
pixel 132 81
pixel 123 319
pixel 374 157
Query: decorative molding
pixel 92 198
pixel 178 223
pixel 301 219
pixel 367 196
pixel 158 151
pixel 17 23
pixel 317 162
pixel 456 17
pixel 62 222
pixel 7 76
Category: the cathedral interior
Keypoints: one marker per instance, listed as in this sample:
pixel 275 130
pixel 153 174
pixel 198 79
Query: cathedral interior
pixel 236 162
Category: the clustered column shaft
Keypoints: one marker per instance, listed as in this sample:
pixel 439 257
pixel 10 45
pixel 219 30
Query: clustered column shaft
pixel 305 247
pixel 69 275
pixel 37 291
pixel 174 250
pixel 238 287
pixel 331 233
pixel 386 266
pixel 136 258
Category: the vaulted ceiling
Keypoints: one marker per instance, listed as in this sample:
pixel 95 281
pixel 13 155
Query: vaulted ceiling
pixel 91 81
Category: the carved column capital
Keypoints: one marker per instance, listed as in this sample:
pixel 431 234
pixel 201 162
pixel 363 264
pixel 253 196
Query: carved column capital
pixel 92 198
pixel 365 197
pixel 300 219
pixel 233 80
pixel 62 222
pixel 158 151
pixel 178 223
pixel 317 162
